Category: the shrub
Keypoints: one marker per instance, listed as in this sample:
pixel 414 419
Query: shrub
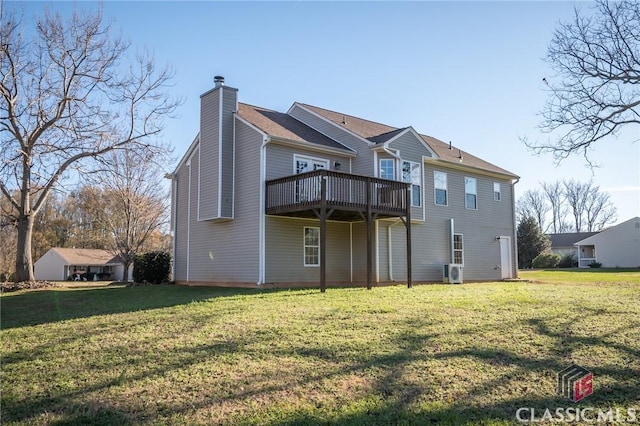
pixel 568 261
pixel 546 260
pixel 595 264
pixel 152 267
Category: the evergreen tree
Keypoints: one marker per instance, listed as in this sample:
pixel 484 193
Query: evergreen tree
pixel 531 242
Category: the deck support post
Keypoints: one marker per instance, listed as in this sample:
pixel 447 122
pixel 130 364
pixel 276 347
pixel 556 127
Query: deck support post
pixel 369 221
pixel 323 235
pixel 407 224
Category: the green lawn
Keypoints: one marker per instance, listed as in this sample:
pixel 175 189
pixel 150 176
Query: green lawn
pixel 433 354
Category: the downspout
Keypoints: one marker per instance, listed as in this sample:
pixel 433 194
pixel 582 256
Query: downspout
pixel 377 230
pixel 452 231
pixel 189 220
pixel 174 218
pixel 515 227
pixel 261 216
pixel 397 157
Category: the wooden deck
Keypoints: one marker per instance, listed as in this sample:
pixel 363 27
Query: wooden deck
pixel 348 195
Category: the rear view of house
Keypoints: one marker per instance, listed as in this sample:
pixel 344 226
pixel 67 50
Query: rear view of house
pixel 316 197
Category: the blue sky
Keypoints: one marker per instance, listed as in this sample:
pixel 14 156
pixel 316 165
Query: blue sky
pixel 466 72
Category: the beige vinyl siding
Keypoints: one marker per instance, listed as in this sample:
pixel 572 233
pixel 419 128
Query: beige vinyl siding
pixel 280 160
pixel 284 261
pixel 208 156
pixel 228 164
pixel 359 231
pixel 181 212
pixel 412 149
pixel 431 238
pixel 382 253
pixel 228 251
pixel 362 164
pixel 217 147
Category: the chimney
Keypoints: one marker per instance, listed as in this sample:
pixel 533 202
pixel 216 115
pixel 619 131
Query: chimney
pixel 217 152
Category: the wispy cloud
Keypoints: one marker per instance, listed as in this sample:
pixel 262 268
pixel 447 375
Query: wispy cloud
pixel 623 189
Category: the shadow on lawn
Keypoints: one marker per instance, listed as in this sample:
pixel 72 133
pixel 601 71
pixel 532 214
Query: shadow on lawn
pixel 393 398
pixel 47 306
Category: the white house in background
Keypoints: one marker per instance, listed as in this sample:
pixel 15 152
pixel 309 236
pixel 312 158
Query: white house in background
pixel 564 243
pixel 616 247
pixel 59 264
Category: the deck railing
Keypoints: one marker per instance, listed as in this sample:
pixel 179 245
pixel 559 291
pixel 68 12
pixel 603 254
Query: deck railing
pixel 344 191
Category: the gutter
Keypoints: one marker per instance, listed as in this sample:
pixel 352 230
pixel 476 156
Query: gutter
pixel 515 227
pixel 261 214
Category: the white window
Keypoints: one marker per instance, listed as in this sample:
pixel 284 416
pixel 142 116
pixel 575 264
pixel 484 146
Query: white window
pixel 308 189
pixel 470 193
pixel 411 174
pixel 458 249
pixel 497 196
pixel 387 169
pixel 440 188
pixel 308 164
pixel 311 246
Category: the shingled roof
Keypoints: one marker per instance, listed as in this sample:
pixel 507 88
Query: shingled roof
pixel 568 239
pixel 284 126
pixel 281 125
pixel 75 256
pixel 378 132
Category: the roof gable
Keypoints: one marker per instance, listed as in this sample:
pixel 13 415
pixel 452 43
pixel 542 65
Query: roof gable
pixel 397 134
pixel 621 228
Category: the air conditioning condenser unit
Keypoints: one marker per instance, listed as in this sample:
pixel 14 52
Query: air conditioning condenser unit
pixel 452 273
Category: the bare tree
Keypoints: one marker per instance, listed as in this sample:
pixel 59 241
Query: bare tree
pixel 592 210
pixel 533 204
pixel 596 91
pixel 86 208
pixel 68 97
pixel 556 197
pixel 137 203
pixel 577 195
pixel 8 237
pixel 599 211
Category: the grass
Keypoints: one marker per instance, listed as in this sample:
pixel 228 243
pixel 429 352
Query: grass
pixel 433 354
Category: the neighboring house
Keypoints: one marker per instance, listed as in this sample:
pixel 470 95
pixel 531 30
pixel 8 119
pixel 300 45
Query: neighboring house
pixel 313 196
pixel 563 244
pixel 60 264
pixel 615 247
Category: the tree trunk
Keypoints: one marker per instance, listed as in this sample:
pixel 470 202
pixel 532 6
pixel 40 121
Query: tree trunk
pixel 24 262
pixel 125 272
